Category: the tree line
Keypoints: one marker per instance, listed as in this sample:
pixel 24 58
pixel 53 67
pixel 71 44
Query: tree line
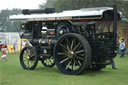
pixel 5 24
pixel 60 5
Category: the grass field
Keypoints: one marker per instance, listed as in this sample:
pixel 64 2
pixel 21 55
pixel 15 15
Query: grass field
pixel 11 73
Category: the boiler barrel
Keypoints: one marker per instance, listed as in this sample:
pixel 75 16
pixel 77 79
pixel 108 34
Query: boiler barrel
pixel 44 41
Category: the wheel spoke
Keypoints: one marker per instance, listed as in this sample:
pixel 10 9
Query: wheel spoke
pixel 80 51
pixel 25 59
pixel 79 63
pixel 68 47
pixel 25 62
pixel 34 58
pixel 63 46
pixel 24 56
pixel 79 47
pixel 25 53
pixel 47 61
pixel 76 46
pixel 62 53
pixel 50 61
pixel 68 64
pixel 28 63
pixel 62 61
pixel 81 54
pixel 68 42
pixel 32 55
pixel 32 62
pixel 28 52
pixel 80 58
pixel 73 65
pixel 72 44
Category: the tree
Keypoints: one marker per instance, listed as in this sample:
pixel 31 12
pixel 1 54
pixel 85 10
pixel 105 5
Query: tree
pixel 5 24
pixel 61 5
pixel 77 4
pixel 49 3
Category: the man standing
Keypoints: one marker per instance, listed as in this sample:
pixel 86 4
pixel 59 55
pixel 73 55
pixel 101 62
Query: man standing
pixel 113 64
pixel 122 48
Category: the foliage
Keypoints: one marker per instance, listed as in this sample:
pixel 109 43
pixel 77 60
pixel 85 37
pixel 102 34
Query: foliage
pixel 61 5
pixel 5 24
pixel 49 3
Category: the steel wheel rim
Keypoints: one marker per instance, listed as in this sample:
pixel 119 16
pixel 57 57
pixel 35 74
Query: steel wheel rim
pixel 71 54
pixel 29 58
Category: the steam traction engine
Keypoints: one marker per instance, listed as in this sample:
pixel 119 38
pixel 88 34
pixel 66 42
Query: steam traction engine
pixel 74 40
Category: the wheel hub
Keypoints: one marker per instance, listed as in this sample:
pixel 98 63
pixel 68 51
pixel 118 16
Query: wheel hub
pixel 70 54
pixel 28 58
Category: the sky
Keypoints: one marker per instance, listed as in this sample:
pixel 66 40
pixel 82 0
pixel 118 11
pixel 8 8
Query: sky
pixel 22 4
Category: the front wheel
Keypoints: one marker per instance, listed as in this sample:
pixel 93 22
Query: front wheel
pixel 28 58
pixel 72 53
pixel 48 61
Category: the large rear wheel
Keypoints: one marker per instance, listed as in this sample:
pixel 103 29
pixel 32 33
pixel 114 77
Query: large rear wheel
pixel 72 53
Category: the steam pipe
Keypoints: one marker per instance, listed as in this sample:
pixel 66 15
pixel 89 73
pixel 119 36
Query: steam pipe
pixel 115 26
pixel 38 11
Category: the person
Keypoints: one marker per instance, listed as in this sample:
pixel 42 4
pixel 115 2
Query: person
pixel 4 53
pixel 122 48
pixel 14 46
pixel 113 64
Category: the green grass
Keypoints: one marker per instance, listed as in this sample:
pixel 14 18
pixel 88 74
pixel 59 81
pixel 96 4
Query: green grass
pixel 11 73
